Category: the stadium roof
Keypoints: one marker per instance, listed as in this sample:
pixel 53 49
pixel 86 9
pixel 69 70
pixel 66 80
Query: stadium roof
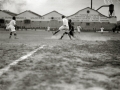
pixel 9 12
pixel 30 12
pixel 91 9
pixel 53 11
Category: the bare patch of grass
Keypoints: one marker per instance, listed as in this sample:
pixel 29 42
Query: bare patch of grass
pixel 4 84
pixel 72 64
pixel 9 53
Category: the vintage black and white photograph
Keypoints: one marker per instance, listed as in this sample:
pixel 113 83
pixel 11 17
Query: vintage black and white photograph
pixel 59 44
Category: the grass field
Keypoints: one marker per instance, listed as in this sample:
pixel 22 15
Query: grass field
pixel 90 63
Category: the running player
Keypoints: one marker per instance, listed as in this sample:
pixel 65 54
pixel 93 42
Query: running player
pixel 71 30
pixel 12 27
pixel 67 32
pixel 71 33
pixel 48 28
pixel 102 29
pixel 64 26
pixel 79 28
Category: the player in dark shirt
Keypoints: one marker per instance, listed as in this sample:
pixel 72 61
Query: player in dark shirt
pixel 71 32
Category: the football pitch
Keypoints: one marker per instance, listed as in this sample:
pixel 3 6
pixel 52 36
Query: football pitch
pixel 91 62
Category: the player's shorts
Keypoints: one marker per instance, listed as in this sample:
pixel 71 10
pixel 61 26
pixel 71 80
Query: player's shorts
pixel 78 30
pixel 64 28
pixel 12 28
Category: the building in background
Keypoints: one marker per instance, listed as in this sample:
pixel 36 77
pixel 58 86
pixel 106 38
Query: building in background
pixel 28 19
pixel 87 18
pixel 52 19
pixel 5 17
pixel 90 19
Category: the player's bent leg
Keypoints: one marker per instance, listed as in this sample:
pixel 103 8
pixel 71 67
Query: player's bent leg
pixel 15 34
pixel 69 36
pixel 72 34
pixel 56 32
pixel 10 34
pixel 63 35
pixel 61 28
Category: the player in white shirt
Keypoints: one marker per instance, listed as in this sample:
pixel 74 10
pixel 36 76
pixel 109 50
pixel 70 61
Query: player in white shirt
pixel 11 26
pixel 79 28
pixel 102 29
pixel 48 28
pixel 64 26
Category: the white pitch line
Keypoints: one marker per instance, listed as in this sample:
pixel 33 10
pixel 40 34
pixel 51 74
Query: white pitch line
pixel 18 60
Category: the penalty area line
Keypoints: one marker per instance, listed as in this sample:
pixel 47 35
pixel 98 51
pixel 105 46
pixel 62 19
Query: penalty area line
pixel 5 69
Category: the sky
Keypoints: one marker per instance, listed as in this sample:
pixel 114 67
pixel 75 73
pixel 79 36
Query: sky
pixel 65 7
